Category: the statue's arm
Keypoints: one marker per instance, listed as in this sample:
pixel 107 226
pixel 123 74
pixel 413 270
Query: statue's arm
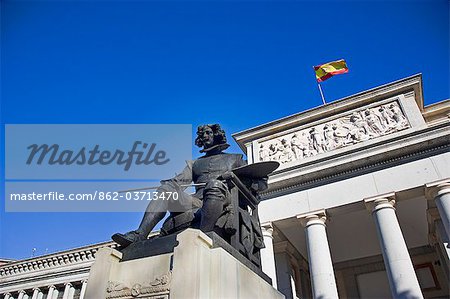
pixel 183 179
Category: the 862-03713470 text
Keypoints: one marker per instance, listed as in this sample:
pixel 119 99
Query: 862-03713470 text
pixel 97 195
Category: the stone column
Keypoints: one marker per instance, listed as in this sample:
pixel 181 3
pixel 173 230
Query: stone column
pixel 401 275
pixel 36 292
pixel 67 288
pixel 71 292
pixel 21 294
pixel 51 292
pixel 440 191
pixel 83 288
pixel 267 255
pixel 320 263
pixel 7 296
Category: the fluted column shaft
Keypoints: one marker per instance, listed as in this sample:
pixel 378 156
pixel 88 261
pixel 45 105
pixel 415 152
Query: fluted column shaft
pixel 21 294
pixel 320 264
pixel 441 193
pixel 401 275
pixel 51 292
pixel 36 293
pixel 267 253
pixel 67 289
pixel 83 289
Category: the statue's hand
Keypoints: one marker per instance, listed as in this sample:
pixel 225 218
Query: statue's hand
pixel 227 175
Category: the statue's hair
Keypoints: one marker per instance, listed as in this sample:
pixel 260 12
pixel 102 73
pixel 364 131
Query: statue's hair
pixel 219 134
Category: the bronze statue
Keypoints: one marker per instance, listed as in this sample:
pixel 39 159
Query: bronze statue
pixel 210 208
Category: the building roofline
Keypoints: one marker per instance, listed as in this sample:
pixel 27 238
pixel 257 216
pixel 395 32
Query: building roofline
pixel 413 82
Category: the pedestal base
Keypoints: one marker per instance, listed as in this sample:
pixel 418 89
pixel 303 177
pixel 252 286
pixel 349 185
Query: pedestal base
pixel 193 270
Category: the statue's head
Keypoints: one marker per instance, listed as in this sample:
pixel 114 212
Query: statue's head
pixel 209 136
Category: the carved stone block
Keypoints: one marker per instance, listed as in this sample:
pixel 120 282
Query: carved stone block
pixel 359 126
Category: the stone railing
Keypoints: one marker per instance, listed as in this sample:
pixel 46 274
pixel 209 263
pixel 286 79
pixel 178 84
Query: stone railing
pixel 59 259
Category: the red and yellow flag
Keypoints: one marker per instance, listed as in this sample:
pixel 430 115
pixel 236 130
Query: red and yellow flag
pixel 328 70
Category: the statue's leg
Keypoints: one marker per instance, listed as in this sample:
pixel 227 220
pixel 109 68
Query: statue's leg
pixel 155 212
pixel 215 198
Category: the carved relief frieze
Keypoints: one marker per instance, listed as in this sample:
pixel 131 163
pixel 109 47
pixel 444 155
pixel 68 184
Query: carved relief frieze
pixel 157 288
pixel 359 126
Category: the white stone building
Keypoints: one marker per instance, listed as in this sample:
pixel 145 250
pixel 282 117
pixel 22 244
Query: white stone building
pixel 359 207
pixel 53 276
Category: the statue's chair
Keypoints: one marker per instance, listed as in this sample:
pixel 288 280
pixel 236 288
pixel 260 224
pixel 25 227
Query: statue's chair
pixel 242 237
pixel 247 238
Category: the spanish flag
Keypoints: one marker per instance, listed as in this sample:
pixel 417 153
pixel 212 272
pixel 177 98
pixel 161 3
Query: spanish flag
pixel 328 70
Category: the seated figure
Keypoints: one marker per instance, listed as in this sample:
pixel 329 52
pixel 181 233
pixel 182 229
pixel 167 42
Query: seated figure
pixel 209 208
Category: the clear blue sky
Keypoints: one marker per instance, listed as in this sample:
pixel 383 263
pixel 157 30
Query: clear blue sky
pixel 238 63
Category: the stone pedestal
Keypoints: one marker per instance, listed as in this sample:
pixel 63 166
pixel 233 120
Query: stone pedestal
pixel 194 269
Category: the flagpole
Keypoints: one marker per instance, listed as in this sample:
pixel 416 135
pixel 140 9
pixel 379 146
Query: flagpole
pixel 321 93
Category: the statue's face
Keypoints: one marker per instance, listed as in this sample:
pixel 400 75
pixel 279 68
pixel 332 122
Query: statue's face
pixel 207 137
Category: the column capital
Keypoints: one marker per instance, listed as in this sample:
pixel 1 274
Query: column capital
pixel 36 289
pixel 380 202
pixel 267 229
pixel 437 188
pixel 315 217
pixel 68 284
pixel 22 292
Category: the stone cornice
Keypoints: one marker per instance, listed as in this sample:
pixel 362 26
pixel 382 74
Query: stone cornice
pixel 437 113
pixel 55 260
pixel 410 84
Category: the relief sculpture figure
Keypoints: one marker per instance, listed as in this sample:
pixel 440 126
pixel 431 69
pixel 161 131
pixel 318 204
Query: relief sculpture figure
pixel 297 147
pixel 317 142
pixel 374 126
pixel 387 117
pixel 263 153
pixel 398 116
pixel 286 152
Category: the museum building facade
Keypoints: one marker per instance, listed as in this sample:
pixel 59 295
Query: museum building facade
pixel 359 207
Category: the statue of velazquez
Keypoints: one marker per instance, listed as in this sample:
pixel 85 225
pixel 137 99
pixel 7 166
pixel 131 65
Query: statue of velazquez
pixel 209 209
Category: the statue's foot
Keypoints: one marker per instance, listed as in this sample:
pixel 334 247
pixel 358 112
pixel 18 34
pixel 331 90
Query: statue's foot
pixel 126 239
